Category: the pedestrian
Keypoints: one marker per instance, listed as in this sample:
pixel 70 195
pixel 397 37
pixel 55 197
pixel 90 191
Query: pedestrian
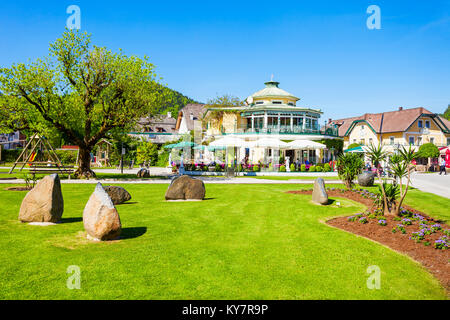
pixel 442 166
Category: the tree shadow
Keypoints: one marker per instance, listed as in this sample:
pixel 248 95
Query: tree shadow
pixel 133 202
pixel 71 220
pixel 209 199
pixel 131 233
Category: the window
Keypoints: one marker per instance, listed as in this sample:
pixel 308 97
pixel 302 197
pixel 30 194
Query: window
pixel 411 140
pixel 427 124
pixel 362 142
pixel 354 140
pixel 277 102
pixel 448 141
pixel 432 140
pixel 419 140
pixel 259 102
pixel 420 124
pixel 290 104
pixel 362 127
pixel 370 141
pixel 391 140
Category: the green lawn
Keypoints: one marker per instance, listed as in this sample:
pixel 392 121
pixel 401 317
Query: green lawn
pixel 244 242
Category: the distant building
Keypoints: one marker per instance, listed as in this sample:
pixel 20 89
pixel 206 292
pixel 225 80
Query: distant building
pixel 165 128
pixel 188 115
pixel 272 113
pixel 13 140
pixel 158 129
pixel 402 127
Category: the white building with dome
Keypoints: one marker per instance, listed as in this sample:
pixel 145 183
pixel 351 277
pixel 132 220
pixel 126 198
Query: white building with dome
pixel 272 114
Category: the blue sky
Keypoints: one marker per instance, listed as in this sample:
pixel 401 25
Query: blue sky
pixel 321 51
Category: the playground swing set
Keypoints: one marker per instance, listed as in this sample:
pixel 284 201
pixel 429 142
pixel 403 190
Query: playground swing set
pixel 34 155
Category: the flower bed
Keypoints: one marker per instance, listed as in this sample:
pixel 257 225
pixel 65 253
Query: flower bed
pixel 414 233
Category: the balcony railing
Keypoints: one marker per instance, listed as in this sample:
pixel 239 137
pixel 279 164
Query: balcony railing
pixel 292 130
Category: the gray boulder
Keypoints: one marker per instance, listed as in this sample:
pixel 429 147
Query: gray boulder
pixel 319 194
pixel 366 179
pixel 143 173
pixel 186 188
pixel 118 195
pixel 44 203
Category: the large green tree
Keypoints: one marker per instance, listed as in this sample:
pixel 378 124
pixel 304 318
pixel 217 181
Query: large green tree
pixel 82 91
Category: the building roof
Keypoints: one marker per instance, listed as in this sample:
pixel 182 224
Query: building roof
pixel 272 90
pixel 392 121
pixel 190 113
pixel 159 123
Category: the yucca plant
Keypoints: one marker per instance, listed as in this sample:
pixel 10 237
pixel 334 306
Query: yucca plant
pixel 349 165
pixel 377 155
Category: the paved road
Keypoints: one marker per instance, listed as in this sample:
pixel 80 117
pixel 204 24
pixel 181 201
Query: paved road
pixel 432 182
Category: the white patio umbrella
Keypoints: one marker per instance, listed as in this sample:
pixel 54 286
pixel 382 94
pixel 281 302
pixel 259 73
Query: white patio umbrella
pixel 268 143
pixel 229 141
pixel 305 145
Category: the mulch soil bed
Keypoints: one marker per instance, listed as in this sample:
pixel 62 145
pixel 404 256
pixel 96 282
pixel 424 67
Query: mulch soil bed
pixel 435 260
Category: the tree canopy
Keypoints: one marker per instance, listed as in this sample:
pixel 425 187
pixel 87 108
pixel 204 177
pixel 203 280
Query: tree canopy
pixel 80 90
pixel 427 150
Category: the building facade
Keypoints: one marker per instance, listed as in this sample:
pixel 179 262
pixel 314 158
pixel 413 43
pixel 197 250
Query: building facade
pixel 394 129
pixel 272 113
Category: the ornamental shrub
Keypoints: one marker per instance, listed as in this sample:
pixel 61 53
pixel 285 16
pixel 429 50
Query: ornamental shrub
pixel 312 169
pixel 255 168
pixel 283 168
pixel 326 167
pixel 292 167
pixel 319 169
pixel 303 168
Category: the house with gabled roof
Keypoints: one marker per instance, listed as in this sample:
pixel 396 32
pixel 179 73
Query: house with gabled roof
pixel 402 127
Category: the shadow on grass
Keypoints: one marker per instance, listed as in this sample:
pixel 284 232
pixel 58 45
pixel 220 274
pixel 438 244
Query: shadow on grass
pixel 131 233
pixel 71 220
pixel 132 202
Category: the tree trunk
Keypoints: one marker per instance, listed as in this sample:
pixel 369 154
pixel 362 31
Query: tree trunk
pixel 84 164
pixel 403 195
pixel 387 211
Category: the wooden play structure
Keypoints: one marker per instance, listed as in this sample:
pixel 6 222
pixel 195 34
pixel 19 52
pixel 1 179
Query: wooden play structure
pixel 33 156
pixel 102 155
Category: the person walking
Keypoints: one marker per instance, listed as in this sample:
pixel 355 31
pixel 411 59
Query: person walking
pixel 442 166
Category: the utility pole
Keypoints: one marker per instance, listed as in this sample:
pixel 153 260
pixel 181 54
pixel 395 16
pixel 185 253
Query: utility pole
pixel 121 159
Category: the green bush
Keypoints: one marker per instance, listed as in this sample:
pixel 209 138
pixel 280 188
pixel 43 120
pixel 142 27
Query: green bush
pixel 326 167
pixel 10 155
pixel 283 168
pixel 292 167
pixel 218 168
pixel 67 156
pixel 255 168
pixel 147 151
pixel 319 169
pixel 427 150
pixel 312 169
pixel 303 168
pixel 270 167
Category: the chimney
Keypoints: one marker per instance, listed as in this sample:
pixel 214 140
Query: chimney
pixel 400 108
pixel 169 114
